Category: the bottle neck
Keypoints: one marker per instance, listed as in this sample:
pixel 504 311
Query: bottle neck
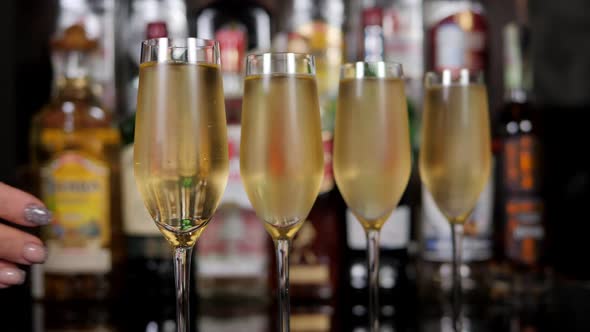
pixel 71 68
pixel 517 65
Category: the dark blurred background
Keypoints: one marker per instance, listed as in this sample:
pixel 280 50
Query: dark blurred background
pixel 559 97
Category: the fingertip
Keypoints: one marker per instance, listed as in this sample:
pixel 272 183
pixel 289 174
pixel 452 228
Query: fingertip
pixel 22 208
pixel 37 214
pixel 34 253
pixel 12 276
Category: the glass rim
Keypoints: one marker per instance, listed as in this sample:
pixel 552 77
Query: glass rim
pixel 288 63
pixel 450 77
pixel 280 54
pixel 188 50
pixel 182 42
pixel 385 69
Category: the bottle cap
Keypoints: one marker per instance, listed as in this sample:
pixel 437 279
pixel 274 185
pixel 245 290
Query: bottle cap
pixel 74 39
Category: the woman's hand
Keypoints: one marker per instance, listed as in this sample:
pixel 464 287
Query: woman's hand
pixel 18 247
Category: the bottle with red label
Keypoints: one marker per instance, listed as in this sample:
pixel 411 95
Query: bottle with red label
pixel 317 256
pixel 240 27
pixel 372 34
pixel 456 37
pixel 456 34
pixel 233 258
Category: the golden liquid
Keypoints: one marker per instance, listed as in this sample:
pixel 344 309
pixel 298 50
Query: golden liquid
pixel 372 159
pixel 181 157
pixel 281 154
pixel 455 158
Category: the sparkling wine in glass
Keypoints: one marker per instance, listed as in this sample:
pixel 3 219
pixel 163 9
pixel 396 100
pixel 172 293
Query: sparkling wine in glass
pixel 281 153
pixel 372 154
pixel 455 157
pixel 180 153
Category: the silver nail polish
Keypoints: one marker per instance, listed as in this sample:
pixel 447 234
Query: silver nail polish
pixel 37 214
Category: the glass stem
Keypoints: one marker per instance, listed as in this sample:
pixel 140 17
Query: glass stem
pixel 373 267
pixel 456 300
pixel 182 263
pixel 282 247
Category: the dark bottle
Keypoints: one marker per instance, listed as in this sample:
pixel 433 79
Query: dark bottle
pixel 240 27
pixel 316 258
pixel 149 271
pixel 316 266
pixel 396 284
pixel 317 252
pixel 520 175
pixel 233 258
pixel 147 19
pixel 521 203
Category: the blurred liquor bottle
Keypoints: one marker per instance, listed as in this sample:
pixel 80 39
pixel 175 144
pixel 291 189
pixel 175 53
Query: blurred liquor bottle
pixel 98 19
pixel 456 37
pixel 387 32
pixel 240 27
pixel 520 204
pixel 75 150
pixel 149 269
pixel 391 30
pixel 232 259
pixel 316 27
pixel 316 260
pixel 456 34
pixel 147 19
pixel 316 266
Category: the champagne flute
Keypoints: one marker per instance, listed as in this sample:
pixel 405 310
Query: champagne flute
pixel 181 154
pixel 281 154
pixel 372 158
pixel 455 158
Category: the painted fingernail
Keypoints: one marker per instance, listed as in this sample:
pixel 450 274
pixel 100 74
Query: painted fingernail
pixel 37 214
pixel 34 253
pixel 11 276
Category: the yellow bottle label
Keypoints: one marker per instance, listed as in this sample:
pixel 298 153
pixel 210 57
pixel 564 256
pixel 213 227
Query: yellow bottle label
pixel 76 189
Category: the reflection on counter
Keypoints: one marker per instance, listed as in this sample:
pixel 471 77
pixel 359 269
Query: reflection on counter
pixel 559 308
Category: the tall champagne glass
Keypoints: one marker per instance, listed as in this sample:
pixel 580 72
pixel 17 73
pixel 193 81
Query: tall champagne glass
pixel 181 156
pixel 281 154
pixel 372 158
pixel 455 154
